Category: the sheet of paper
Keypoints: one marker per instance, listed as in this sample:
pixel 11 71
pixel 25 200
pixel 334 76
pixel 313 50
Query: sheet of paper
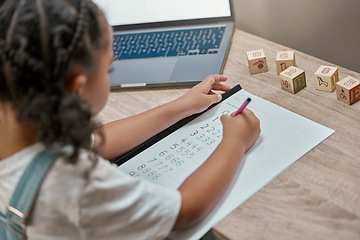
pixel 284 138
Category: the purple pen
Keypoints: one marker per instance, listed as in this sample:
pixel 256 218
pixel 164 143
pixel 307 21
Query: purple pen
pixel 243 106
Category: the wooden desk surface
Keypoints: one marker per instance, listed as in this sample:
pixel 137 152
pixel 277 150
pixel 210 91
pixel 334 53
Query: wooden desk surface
pixel 318 197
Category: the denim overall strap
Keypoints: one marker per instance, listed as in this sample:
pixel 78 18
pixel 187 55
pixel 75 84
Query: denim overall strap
pixel 3 225
pixel 25 194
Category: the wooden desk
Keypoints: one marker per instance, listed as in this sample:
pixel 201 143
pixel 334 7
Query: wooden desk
pixel 318 197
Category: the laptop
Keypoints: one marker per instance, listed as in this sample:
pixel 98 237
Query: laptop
pixel 168 42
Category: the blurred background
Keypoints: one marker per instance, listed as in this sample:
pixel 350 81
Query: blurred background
pixel 326 29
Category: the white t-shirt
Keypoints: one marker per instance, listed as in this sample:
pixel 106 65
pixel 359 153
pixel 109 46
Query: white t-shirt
pixel 82 201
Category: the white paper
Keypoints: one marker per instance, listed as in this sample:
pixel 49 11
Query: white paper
pixel 284 138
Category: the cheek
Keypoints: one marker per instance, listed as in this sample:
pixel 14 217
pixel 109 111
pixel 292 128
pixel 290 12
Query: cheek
pixel 105 90
pixel 103 93
pixel 98 93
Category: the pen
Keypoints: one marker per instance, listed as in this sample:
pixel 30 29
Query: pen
pixel 243 106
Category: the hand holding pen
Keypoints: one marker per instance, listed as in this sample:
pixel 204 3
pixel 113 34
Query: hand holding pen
pixel 242 107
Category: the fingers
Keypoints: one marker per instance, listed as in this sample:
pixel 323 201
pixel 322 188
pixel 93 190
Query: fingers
pixel 216 78
pixel 220 87
pixel 250 115
pixel 216 98
pixel 246 111
pixel 213 82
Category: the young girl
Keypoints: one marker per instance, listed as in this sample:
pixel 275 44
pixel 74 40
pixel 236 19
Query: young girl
pixel 54 59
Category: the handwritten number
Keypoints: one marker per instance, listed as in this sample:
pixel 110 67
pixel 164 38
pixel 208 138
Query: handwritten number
pixel 194 133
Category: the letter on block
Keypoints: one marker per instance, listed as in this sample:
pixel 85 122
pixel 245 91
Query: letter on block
pixel 284 60
pixel 348 90
pixel 326 77
pixel 257 61
pixel 293 79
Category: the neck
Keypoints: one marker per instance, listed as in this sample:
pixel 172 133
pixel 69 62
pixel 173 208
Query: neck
pixel 14 135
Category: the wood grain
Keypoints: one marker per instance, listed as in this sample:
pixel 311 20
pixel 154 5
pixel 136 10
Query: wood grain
pixel 318 197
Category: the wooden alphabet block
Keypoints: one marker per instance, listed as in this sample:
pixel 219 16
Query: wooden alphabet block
pixel 326 77
pixel 257 61
pixel 284 59
pixel 348 90
pixel 293 79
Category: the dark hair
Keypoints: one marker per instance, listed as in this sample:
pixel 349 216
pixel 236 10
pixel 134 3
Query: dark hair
pixel 39 41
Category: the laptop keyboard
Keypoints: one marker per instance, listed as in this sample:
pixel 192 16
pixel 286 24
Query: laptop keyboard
pixel 168 43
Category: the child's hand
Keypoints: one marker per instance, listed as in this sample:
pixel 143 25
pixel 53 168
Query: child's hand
pixel 201 96
pixel 243 129
pixel 205 187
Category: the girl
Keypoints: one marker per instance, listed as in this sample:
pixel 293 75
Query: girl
pixel 54 59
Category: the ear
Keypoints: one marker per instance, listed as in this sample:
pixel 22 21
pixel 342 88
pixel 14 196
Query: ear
pixel 77 84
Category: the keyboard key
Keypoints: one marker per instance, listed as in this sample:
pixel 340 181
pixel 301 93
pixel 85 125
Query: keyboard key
pixel 203 51
pixel 209 41
pixel 183 53
pixel 172 53
pixel 173 49
pixel 143 51
pixel 209 46
pixel 199 42
pixel 182 49
pixel 193 53
pixel 160 54
pixel 153 50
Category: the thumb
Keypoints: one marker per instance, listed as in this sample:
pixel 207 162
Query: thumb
pixel 224 118
pixel 215 98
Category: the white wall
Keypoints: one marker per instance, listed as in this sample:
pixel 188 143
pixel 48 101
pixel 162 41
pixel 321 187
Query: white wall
pixel 327 29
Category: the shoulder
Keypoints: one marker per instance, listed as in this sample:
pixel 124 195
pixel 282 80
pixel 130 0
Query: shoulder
pixel 97 197
pixel 58 202
pixel 62 188
pixel 117 204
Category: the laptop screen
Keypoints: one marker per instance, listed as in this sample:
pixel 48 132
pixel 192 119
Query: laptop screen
pixel 127 12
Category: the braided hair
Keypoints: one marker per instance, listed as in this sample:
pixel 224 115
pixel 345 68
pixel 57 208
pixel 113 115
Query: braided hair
pixel 39 42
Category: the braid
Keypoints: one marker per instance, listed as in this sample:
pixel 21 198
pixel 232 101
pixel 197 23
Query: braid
pixel 13 21
pixel 80 27
pixel 43 31
pixel 62 54
pixel 3 5
pixel 20 59
pixel 39 40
